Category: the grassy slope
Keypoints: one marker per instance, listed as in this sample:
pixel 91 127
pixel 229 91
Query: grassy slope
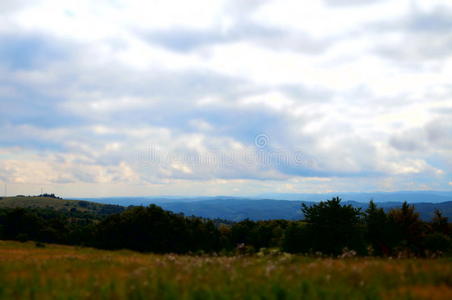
pixel 64 272
pixel 47 202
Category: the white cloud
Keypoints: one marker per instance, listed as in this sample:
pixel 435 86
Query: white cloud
pixel 273 100
pixel 201 125
pixel 319 20
pixel 89 21
pixel 108 105
pixel 360 88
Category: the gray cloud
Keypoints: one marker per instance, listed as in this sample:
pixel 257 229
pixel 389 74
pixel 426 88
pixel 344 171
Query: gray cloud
pixel 408 141
pixel 424 36
pixel 435 135
pixel 183 40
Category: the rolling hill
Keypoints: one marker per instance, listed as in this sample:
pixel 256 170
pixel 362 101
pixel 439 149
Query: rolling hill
pixel 59 204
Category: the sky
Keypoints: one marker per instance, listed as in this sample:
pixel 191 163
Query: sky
pixel 162 97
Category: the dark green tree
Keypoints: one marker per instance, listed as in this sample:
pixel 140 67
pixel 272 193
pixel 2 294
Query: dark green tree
pixel 440 223
pixel 332 227
pixel 407 228
pixel 378 230
pixel 438 239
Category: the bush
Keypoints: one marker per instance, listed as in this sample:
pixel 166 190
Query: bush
pixel 437 242
pixel 295 239
pixel 22 237
pixel 40 245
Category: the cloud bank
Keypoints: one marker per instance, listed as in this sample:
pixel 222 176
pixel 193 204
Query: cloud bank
pixel 225 97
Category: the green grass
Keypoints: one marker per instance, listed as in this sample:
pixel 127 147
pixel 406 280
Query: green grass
pixel 63 272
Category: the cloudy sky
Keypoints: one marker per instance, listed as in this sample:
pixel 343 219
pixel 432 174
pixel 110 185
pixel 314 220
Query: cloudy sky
pixel 162 97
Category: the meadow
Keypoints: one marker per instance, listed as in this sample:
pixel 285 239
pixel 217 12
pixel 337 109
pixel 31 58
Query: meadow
pixel 30 271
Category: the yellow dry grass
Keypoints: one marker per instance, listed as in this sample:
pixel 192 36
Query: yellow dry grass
pixel 64 272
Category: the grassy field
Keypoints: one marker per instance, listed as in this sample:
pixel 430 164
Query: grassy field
pixel 63 272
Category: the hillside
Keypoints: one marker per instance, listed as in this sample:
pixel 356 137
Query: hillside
pixel 59 204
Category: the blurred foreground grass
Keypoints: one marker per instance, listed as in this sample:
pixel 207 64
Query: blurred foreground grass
pixel 63 272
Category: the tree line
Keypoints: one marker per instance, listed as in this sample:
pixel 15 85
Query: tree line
pixel 328 228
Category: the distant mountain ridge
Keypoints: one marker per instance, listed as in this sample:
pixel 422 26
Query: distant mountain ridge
pixel 255 208
pixel 237 210
pixel 400 196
